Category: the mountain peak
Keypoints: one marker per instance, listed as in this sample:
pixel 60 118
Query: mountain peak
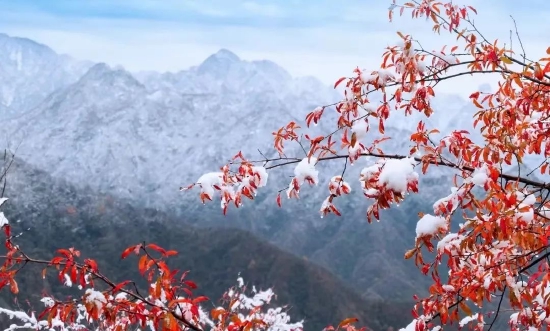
pixel 225 54
pixel 219 62
pixel 104 74
pixel 25 42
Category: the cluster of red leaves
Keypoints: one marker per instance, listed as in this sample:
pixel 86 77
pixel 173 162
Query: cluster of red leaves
pixel 169 303
pixel 233 184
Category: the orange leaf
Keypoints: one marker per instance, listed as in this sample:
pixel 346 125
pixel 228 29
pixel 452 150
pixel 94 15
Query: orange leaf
pixel 348 321
pixel 170 253
pixel 13 286
pixel 143 264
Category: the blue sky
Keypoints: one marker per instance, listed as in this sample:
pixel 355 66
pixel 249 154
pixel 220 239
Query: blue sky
pixel 323 38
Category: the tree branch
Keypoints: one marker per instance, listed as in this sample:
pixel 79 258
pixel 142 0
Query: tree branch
pixel 522 180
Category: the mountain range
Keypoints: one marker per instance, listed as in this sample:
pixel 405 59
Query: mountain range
pixel 140 136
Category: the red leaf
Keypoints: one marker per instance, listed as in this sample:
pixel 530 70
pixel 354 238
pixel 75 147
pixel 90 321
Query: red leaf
pixel 119 286
pixel 157 248
pixel 339 81
pixel 82 278
pixel 335 211
pixel 200 299
pixel 64 252
pixel 191 284
pixel 127 252
pixel 91 263
pixel 279 200
pixel 7 230
pixel 74 274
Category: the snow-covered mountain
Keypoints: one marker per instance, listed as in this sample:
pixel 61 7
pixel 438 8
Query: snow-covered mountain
pixel 150 132
pixel 142 135
pixel 30 71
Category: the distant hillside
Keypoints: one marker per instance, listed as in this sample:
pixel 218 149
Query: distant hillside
pixel 58 215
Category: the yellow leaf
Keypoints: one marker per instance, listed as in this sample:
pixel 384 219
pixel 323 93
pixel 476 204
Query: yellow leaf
pixel 505 59
pixel 410 253
pixel 353 139
pixel 548 50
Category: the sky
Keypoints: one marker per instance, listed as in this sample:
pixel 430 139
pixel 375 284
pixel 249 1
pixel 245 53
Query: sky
pixel 321 38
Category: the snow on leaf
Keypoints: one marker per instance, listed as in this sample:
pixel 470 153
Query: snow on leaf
pixel 429 225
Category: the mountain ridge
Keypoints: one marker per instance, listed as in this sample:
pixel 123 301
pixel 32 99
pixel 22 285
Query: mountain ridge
pixel 141 142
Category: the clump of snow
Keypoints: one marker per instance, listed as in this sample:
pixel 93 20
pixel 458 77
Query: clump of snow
pixel 260 176
pixel 397 174
pixel 306 170
pixel 96 297
pixel 337 186
pixel 381 77
pixel 450 202
pixel 207 182
pixel 468 319
pixel 68 281
pixel 429 225
pixel 231 187
pixel 416 324
pixel 448 288
pixel 360 127
pixel 526 199
pixel 525 211
pixel 3 219
pixel 444 60
pixel 47 301
pixel 250 308
pixel 480 176
pixel 450 242
pixel 368 172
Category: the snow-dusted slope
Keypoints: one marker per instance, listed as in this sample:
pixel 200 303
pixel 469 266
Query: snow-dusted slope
pixel 143 136
pixel 30 71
